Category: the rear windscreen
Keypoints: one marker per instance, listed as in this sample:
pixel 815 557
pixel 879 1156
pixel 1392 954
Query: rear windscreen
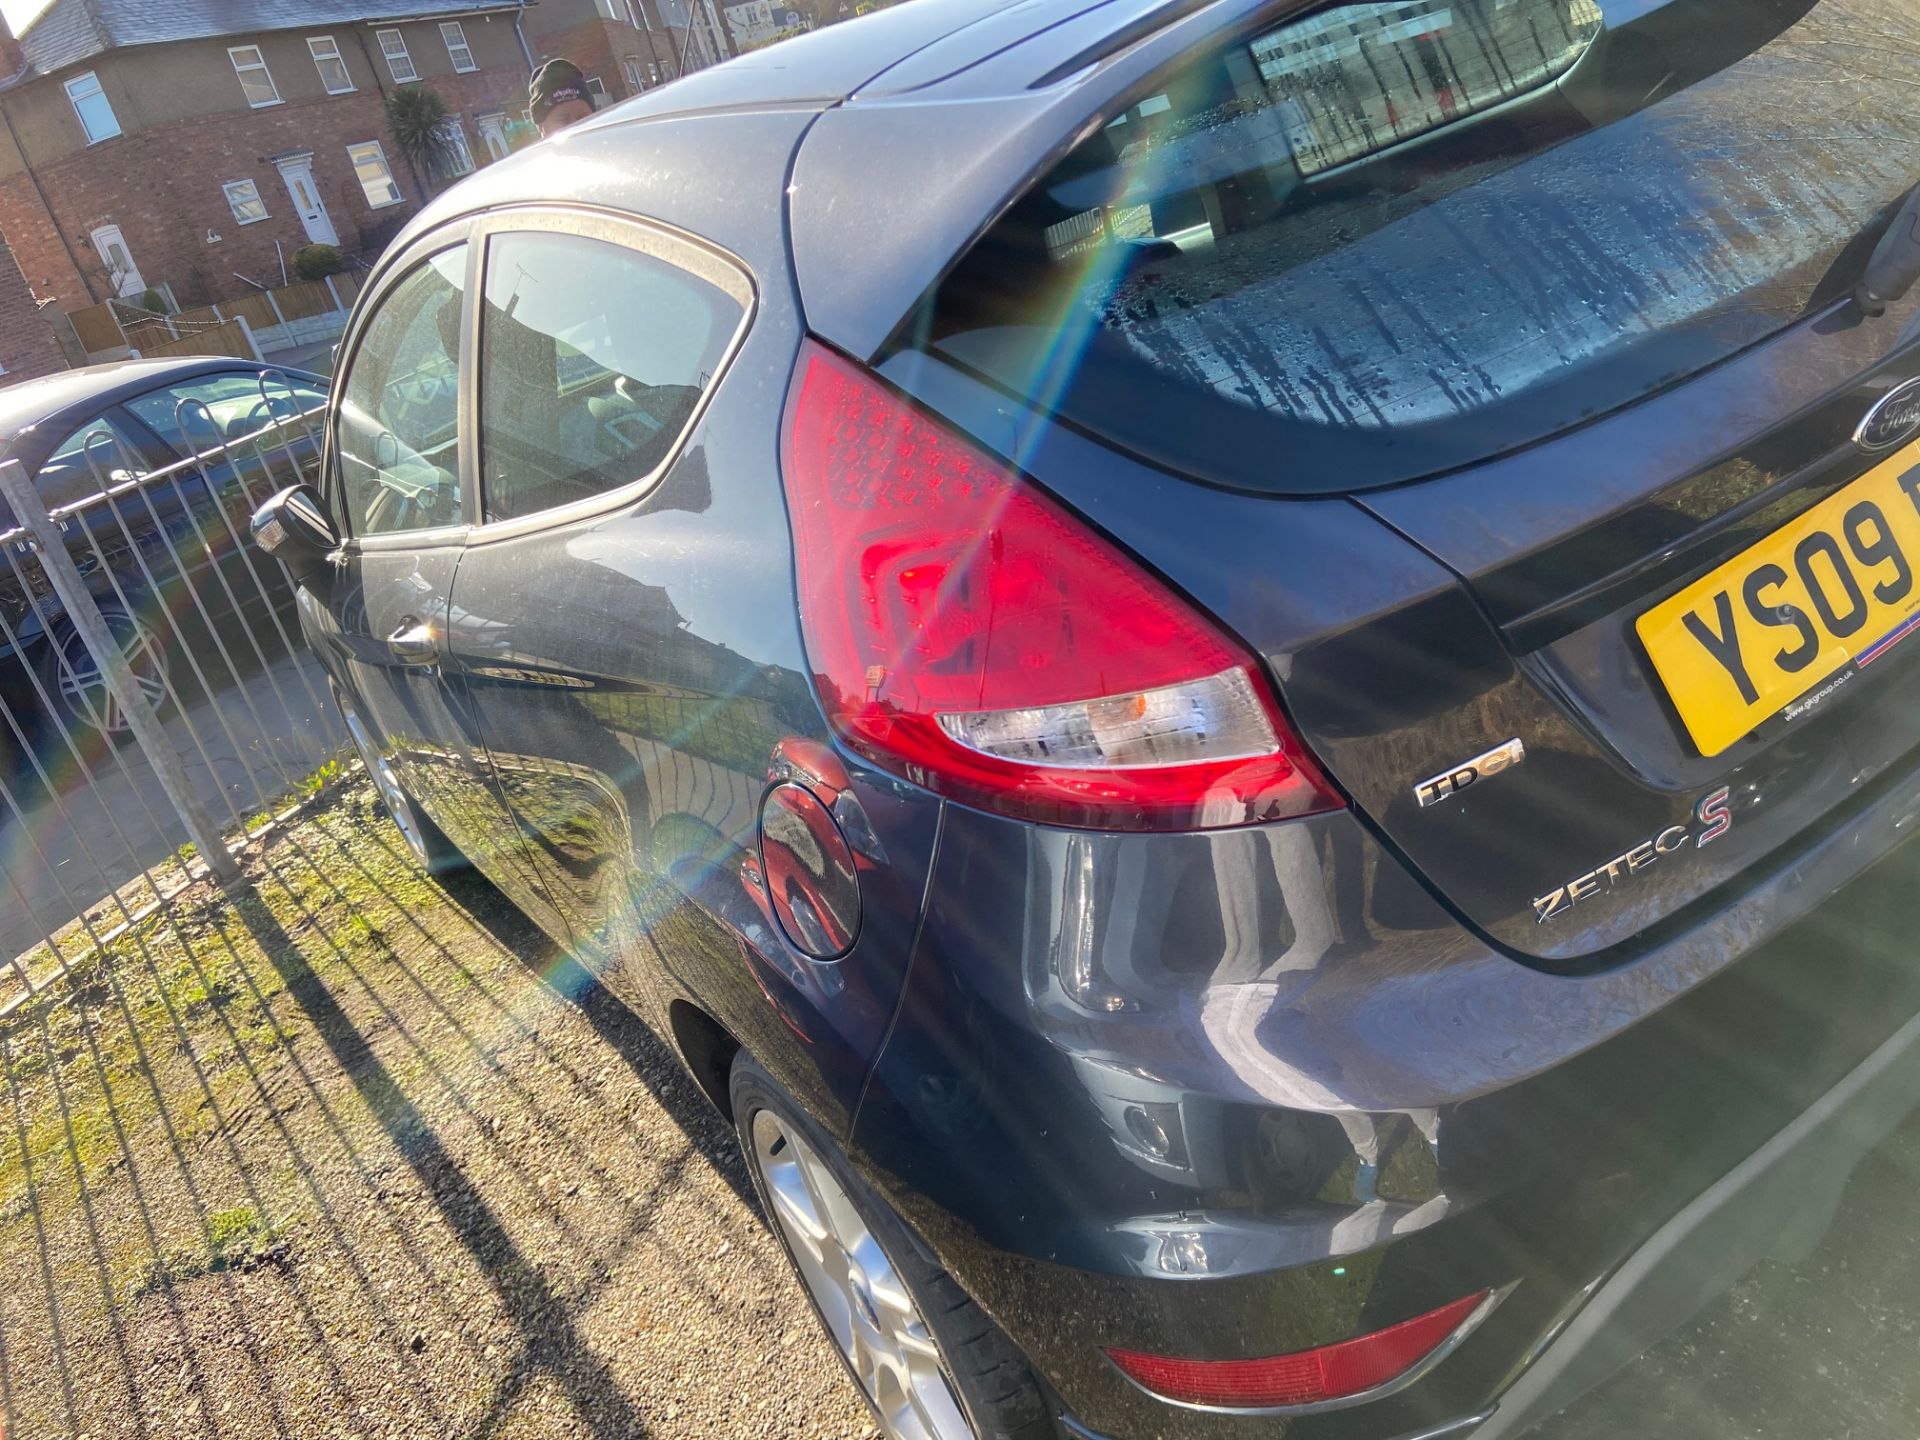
pixel 1375 241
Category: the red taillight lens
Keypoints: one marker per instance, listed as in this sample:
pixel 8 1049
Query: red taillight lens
pixel 968 634
pixel 1307 1377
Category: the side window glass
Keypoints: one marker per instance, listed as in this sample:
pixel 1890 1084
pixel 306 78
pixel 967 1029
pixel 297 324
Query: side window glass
pixel 397 435
pixel 99 453
pixel 200 414
pixel 592 357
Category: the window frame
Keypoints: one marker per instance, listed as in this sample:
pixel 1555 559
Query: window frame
pixel 630 69
pixel 400 39
pixel 338 55
pixel 227 188
pixel 454 130
pixel 449 31
pixel 100 91
pixel 700 258
pixel 260 64
pixel 371 303
pixel 399 196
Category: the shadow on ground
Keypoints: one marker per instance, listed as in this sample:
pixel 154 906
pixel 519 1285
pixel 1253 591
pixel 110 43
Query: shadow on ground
pixel 366 1156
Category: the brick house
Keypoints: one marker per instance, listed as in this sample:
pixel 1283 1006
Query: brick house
pixel 193 146
pixel 27 344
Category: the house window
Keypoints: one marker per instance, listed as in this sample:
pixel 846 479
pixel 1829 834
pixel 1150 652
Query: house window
pixel 370 165
pixel 243 198
pixel 596 91
pixel 393 45
pixel 91 108
pixel 251 66
pixel 609 9
pixel 457 49
pixel 636 82
pixel 458 158
pixel 327 60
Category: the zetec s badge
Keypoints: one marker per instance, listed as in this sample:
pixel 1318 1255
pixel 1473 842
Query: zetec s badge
pixel 1714 818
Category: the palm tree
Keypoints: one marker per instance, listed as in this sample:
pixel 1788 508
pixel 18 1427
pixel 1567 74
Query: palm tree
pixel 418 119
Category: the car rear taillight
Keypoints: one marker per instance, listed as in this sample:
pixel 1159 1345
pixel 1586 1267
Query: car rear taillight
pixel 1350 1370
pixel 971 636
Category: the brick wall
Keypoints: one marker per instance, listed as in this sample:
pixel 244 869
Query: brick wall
pixel 27 229
pixel 27 346
pixel 599 46
pixel 162 187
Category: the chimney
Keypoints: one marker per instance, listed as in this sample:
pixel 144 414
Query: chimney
pixel 13 60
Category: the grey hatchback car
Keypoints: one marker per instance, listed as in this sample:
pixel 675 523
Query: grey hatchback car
pixel 1230 672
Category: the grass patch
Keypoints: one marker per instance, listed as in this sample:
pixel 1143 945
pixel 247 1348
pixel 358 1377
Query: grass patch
pixel 236 1239
pixel 184 1012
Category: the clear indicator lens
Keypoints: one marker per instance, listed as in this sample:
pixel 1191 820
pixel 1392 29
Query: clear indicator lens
pixel 1217 718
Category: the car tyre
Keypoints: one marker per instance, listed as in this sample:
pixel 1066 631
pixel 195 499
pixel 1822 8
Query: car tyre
pixel 425 841
pixel 868 1276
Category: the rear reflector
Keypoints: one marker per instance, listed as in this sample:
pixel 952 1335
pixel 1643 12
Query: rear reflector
pixel 969 635
pixel 1307 1377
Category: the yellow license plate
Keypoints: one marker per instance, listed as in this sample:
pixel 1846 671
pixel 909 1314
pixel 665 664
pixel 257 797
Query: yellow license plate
pixel 1837 587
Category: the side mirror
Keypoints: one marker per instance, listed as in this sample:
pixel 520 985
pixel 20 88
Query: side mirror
pixel 293 528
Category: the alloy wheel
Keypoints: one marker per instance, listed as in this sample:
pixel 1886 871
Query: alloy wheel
pixel 83 686
pixel 857 1290
pixel 387 785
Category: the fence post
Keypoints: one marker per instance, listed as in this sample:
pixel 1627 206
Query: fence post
pixel 246 333
pixel 16 488
pixel 335 293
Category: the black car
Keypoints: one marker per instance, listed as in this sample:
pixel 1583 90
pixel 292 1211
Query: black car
pixel 83 431
pixel 1230 672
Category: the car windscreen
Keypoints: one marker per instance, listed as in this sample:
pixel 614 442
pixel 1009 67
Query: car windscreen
pixel 1383 240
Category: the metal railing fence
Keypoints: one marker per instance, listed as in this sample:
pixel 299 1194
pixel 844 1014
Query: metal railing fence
pixel 158 709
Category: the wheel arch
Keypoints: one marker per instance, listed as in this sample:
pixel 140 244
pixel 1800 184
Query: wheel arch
pixel 707 1049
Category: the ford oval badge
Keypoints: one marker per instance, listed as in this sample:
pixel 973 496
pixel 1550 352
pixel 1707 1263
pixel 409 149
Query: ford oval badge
pixel 1892 422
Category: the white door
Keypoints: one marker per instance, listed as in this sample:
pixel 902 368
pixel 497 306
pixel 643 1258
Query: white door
pixel 306 200
pixel 493 134
pixel 111 246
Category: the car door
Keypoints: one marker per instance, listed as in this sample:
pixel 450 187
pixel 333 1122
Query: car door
pixel 122 559
pixel 209 504
pixel 113 543
pixel 597 340
pixel 397 474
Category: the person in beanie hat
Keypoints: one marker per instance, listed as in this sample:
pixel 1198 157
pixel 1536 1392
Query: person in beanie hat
pixel 557 96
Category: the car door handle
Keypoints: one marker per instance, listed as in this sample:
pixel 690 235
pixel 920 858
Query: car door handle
pixel 413 643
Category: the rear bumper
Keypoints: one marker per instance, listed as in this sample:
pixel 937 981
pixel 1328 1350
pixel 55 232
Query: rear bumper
pixel 1122 1123
pixel 1774 1205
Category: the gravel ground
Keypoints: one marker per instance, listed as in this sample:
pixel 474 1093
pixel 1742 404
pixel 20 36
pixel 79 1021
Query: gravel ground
pixel 368 1158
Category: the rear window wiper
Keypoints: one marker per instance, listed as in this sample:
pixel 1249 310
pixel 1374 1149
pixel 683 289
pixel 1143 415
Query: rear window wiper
pixel 1895 266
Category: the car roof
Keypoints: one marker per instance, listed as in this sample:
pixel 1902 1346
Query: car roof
pixel 48 404
pixel 899 136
